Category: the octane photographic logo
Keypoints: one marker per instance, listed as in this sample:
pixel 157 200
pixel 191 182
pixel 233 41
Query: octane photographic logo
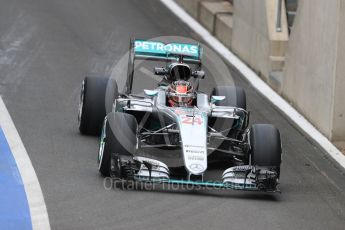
pixel 216 74
pixel 114 184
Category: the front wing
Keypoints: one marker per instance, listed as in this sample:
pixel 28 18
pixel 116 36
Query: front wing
pixel 244 177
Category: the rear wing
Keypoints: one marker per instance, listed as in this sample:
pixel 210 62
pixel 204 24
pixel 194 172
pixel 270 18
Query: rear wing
pixel 156 50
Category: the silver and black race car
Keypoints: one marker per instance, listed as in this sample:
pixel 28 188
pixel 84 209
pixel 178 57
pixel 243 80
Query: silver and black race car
pixel 139 132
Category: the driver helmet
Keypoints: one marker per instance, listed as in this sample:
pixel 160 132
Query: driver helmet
pixel 180 93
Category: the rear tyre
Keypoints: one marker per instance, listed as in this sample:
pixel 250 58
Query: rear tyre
pixel 234 97
pixel 118 139
pixel 265 147
pixel 96 99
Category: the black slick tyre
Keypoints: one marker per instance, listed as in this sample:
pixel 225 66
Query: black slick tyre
pixel 96 98
pixel 265 146
pixel 118 138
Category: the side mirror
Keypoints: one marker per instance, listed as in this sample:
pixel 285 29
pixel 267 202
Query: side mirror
pixel 160 71
pixel 199 74
pixel 217 98
pixel 150 93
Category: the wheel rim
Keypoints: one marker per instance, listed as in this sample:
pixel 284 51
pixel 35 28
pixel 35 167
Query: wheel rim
pixel 101 145
pixel 81 102
pixel 100 154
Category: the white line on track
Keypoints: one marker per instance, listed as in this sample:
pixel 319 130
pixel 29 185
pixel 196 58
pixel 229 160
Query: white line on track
pixel 37 206
pixel 307 128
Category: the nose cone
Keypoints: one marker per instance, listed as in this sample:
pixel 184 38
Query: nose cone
pixel 193 133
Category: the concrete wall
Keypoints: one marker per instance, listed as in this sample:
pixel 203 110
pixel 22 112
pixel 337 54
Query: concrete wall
pixel 254 36
pixel 313 77
pixel 214 15
pixel 338 122
pixel 191 6
pixel 314 70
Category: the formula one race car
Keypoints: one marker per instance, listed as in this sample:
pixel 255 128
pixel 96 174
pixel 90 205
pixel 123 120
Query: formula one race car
pixel 177 116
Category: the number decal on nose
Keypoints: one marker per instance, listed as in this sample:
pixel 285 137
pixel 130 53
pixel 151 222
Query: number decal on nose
pixel 189 120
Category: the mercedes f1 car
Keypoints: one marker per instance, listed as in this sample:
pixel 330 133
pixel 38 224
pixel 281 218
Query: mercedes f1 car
pixel 177 116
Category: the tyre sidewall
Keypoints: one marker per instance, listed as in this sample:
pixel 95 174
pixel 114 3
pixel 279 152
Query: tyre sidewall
pixel 120 138
pixel 98 96
pixel 265 146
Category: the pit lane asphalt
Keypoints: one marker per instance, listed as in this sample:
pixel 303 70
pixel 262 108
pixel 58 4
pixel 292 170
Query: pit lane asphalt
pixel 46 48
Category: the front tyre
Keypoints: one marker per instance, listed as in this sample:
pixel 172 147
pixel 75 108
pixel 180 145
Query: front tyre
pixel 118 138
pixel 96 98
pixel 265 147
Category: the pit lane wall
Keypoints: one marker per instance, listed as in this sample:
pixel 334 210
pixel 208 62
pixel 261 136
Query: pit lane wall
pixel 314 75
pixel 254 36
pixel 306 67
